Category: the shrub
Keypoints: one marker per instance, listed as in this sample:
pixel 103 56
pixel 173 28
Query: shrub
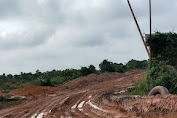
pixel 157 75
pixel 164 47
pixel 142 87
pixel 160 75
pixel 162 68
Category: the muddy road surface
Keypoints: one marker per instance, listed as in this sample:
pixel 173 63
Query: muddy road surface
pixel 93 96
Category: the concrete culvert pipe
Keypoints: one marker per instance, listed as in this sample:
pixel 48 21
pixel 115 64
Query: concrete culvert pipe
pixel 159 90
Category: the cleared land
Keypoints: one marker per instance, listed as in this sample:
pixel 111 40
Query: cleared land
pixel 93 96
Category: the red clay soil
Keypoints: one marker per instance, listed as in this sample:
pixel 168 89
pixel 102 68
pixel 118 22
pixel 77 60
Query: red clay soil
pixel 146 105
pixel 90 97
pixel 34 91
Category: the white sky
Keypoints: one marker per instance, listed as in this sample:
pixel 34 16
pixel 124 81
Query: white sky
pixel 61 34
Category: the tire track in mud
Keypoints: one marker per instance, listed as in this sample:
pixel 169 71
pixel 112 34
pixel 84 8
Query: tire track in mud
pixel 36 107
pixel 43 111
pixel 13 112
pixel 91 101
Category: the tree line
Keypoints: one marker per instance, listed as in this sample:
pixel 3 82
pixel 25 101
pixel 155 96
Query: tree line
pixel 58 77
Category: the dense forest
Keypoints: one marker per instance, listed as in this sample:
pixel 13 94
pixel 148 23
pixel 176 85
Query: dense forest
pixel 58 77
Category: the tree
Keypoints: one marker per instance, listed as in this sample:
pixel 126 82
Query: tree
pixel 164 47
pixel 134 64
pixel 106 66
pixel 120 68
pixel 92 68
pixel 86 71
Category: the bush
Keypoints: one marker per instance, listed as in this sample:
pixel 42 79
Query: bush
pixel 58 77
pixel 107 66
pixel 142 87
pixel 134 64
pixel 162 67
pixel 157 75
pixel 164 47
pixel 58 81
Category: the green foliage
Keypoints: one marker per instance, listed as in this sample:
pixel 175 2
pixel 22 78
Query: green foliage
pixel 86 71
pixel 164 47
pixel 160 75
pixel 57 77
pixel 107 66
pixel 58 81
pixel 51 78
pixel 134 64
pixel 162 67
pixel 142 87
pixel 92 69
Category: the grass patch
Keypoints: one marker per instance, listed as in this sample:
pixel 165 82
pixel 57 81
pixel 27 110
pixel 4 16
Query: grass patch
pixel 159 74
pixel 142 88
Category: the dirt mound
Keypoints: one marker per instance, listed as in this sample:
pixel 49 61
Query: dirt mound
pixel 34 91
pixel 89 97
pixel 91 79
pixel 94 79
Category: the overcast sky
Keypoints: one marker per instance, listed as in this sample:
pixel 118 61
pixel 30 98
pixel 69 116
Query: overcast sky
pixel 61 34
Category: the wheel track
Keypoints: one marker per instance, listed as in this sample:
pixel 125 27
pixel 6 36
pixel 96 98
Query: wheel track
pixel 18 109
pixel 75 110
pixel 47 107
pixel 84 99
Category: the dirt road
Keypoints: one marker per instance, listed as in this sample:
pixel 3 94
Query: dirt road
pixel 94 96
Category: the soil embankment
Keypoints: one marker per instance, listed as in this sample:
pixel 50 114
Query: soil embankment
pixel 89 97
